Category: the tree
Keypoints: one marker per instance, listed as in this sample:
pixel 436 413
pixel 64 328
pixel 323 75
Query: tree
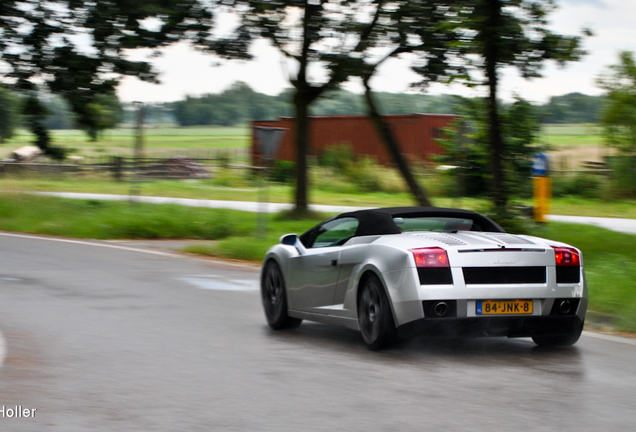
pixel 60 116
pixel 502 33
pixel 77 49
pixel 573 108
pixel 103 112
pixel 8 114
pixel 35 114
pixel 235 105
pixel 341 39
pixel 467 145
pixel 315 34
pixel 619 116
pixel 423 28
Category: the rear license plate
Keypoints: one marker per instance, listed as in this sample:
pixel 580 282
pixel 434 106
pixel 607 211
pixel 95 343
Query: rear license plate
pixel 505 307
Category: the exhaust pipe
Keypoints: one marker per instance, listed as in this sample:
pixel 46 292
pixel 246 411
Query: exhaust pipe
pixel 565 307
pixel 440 309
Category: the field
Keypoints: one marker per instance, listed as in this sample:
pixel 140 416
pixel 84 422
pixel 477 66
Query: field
pixel 157 141
pixel 571 145
pixel 565 135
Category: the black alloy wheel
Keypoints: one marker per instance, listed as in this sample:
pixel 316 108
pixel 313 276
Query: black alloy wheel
pixel 374 314
pixel 274 298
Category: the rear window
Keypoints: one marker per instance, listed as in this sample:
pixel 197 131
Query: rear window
pixel 438 224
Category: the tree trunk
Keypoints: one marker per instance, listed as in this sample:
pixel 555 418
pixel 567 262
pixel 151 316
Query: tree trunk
pixel 302 149
pixel 491 53
pixel 393 147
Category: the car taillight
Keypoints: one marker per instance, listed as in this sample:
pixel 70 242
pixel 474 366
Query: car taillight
pixel 566 257
pixel 430 257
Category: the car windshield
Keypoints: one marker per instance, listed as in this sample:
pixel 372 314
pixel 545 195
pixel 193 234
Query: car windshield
pixel 439 224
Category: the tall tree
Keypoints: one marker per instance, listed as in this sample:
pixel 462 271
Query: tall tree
pixel 502 33
pixel 8 114
pixel 342 38
pixel 78 49
pixel 467 145
pixel 424 29
pixel 619 116
pixel 315 34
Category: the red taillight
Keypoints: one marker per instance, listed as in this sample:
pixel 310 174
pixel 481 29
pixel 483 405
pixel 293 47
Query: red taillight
pixel 430 257
pixel 566 256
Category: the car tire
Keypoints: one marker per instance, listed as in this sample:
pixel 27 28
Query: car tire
pixel 559 340
pixel 374 314
pixel 274 298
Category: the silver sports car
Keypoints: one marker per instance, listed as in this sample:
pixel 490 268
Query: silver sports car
pixel 397 271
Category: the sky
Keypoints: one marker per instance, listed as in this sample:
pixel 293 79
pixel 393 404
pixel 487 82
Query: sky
pixel 187 72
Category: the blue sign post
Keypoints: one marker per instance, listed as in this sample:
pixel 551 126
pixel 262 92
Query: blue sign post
pixel 540 165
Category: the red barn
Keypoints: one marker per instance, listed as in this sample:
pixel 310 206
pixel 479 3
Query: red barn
pixel 416 134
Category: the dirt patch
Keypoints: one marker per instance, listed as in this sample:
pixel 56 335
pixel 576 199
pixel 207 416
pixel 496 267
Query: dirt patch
pixel 572 158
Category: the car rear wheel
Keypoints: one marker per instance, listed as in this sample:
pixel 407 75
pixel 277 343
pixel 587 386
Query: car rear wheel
pixel 274 298
pixel 374 314
pixel 559 340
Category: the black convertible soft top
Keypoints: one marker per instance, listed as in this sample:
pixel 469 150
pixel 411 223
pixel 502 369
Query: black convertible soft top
pixel 379 221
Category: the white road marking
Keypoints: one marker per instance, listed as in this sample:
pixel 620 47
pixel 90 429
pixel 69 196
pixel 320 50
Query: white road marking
pixel 81 242
pixel 249 206
pixel 3 348
pixel 612 338
pixel 211 282
pixel 626 226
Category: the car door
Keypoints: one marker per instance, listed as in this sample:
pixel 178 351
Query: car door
pixel 313 275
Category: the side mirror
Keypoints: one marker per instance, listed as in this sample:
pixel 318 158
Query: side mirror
pixel 293 240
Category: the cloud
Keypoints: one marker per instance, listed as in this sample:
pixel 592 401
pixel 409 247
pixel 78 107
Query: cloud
pixel 601 4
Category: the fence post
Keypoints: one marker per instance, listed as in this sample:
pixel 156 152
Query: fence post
pixel 117 168
pixel 138 151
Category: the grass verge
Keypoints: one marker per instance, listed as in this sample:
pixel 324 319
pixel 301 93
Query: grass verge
pixel 240 189
pixel 118 220
pixel 609 267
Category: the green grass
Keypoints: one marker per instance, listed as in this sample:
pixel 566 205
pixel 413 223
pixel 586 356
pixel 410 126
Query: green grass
pixel 240 188
pixel 121 141
pixel 227 184
pixel 562 136
pixel 610 267
pixel 118 220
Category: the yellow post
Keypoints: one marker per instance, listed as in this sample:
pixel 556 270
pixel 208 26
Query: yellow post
pixel 542 196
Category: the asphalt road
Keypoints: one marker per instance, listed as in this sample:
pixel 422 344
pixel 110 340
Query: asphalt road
pixel 107 339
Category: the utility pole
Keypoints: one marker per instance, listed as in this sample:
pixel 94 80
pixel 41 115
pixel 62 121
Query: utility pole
pixel 268 139
pixel 135 185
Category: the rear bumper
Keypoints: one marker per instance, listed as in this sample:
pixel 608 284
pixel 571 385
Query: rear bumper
pixel 492 326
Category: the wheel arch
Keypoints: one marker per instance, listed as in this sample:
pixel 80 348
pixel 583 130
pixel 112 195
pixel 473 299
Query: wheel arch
pixel 365 273
pixel 276 254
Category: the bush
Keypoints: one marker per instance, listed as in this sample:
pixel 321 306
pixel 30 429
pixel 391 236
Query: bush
pixel 581 184
pixel 337 156
pixel 364 174
pixel 624 175
pixel 282 171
